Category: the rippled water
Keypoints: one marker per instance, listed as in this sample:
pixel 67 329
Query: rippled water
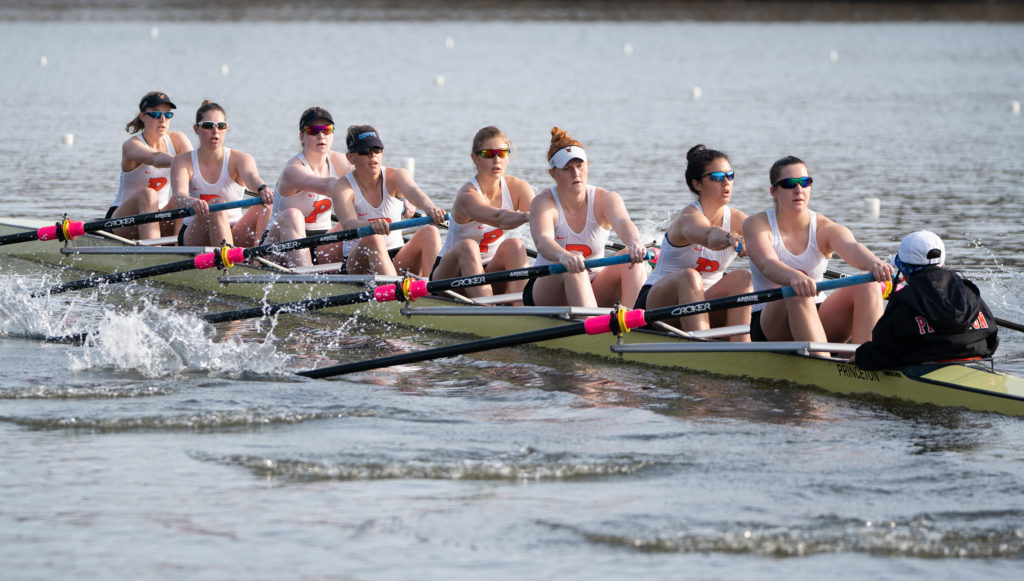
pixel 166 448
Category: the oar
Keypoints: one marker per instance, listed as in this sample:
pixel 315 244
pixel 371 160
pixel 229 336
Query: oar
pixel 407 290
pixel 68 230
pixel 620 321
pixel 225 257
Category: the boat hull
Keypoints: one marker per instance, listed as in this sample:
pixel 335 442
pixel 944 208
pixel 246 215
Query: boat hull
pixel 972 386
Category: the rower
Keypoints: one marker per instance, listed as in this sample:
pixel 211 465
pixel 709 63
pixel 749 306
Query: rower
pixel 146 168
pixel 485 207
pixel 570 222
pixel 789 245
pixel 938 315
pixel 699 245
pixel 302 197
pixel 375 195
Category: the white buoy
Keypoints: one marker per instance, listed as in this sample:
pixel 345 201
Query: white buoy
pixel 697 93
pixel 873 206
pixel 43 61
pixel 449 43
pixel 224 70
pixel 1015 107
pixel 154 33
pixel 628 49
pixel 409 165
pixel 833 56
pixel 439 81
pixel 68 139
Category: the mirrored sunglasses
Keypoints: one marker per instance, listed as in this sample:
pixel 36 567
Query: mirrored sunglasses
pixel 318 129
pixel 790 183
pixel 490 153
pixel 157 114
pixel 210 124
pixel 718 176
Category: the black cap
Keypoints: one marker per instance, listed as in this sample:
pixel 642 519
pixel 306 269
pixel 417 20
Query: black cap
pixel 155 98
pixel 312 114
pixel 362 142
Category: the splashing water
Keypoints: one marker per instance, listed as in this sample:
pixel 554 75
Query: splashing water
pixel 157 342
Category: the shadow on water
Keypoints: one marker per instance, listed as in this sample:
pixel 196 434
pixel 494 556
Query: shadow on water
pixel 535 10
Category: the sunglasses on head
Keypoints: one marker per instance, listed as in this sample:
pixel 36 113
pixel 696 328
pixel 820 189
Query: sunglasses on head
pixel 157 114
pixel 211 124
pixel 790 183
pixel 371 150
pixel 318 129
pixel 489 153
pixel 718 176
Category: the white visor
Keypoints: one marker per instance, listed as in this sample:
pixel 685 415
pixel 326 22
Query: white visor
pixel 567 154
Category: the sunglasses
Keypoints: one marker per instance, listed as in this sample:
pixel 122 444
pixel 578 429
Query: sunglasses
pixel 720 176
pixel 371 150
pixel 318 129
pixel 489 153
pixel 790 183
pixel 210 124
pixel 157 114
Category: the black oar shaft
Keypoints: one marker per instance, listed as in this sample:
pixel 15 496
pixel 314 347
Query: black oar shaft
pixel 292 307
pixel 450 351
pixel 594 325
pixel 225 257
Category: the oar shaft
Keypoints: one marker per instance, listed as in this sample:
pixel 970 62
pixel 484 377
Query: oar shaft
pixel 69 230
pixel 593 326
pixel 225 257
pixel 450 351
pixel 292 307
pixel 391 292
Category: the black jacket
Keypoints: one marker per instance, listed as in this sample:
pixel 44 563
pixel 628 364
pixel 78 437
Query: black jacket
pixel 938 315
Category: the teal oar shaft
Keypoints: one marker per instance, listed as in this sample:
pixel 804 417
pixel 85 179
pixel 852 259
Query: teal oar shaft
pixel 594 325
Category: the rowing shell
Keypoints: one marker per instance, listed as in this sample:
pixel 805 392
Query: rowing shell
pixel 969 385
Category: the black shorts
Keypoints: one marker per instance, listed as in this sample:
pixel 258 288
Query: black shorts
pixel 641 297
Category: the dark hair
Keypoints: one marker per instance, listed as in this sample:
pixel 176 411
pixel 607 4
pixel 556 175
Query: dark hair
pixel 697 160
pixel 560 139
pixel 206 107
pixel 773 174
pixel 485 134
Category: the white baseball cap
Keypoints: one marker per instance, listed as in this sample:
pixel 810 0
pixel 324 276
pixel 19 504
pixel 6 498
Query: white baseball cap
pixel 567 154
pixel 922 248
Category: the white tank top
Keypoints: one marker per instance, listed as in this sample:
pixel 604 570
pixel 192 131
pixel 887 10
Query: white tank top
pixel 390 209
pixel 810 262
pixel 147 176
pixel 487 237
pixel 711 264
pixel 316 208
pixel 590 241
pixel 223 190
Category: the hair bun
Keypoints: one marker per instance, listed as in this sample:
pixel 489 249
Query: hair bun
pixel 694 151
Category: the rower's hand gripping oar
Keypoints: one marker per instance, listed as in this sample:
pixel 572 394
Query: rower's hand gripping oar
pixel 226 257
pixel 409 289
pixel 69 230
pixel 619 321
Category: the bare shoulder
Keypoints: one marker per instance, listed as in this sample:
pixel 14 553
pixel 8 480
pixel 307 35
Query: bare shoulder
pixel 341 163
pixel 738 216
pixel 180 141
pixel 756 222
pixel 518 184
